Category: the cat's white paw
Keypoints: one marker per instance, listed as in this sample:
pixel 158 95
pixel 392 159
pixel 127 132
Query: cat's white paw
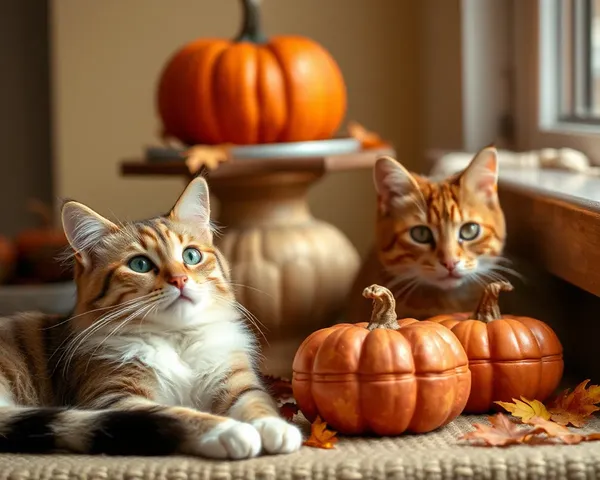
pixel 277 435
pixel 230 439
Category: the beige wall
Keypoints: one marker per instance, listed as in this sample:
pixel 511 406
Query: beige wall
pixel 24 112
pixel 106 57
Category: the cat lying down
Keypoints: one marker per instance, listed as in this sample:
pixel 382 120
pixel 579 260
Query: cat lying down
pixel 156 358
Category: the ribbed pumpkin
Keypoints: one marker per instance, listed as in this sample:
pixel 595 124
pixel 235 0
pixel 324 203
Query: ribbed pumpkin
pixel 384 377
pixel 509 356
pixel 252 89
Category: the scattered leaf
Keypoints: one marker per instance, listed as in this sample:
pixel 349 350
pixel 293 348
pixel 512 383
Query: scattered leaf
pixel 525 409
pixel 535 431
pixel 575 407
pixel 366 138
pixel 320 436
pixel 288 410
pixel 501 432
pixel 209 156
pixel 280 388
pixel 554 430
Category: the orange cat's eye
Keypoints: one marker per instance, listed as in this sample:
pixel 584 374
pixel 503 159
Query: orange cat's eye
pixel 469 231
pixel 421 234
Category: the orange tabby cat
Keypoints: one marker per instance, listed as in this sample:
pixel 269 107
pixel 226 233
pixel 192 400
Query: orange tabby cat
pixel 436 242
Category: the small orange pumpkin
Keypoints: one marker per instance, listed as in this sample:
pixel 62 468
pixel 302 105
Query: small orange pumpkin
pixel 509 356
pixel 8 259
pixel 39 250
pixel 252 89
pixel 384 377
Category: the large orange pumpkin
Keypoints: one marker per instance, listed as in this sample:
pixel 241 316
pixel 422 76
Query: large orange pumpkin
pixel 252 89
pixel 509 356
pixel 385 377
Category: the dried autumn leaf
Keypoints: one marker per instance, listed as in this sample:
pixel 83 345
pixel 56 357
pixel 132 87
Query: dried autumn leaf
pixel 575 407
pixel 554 430
pixel 525 409
pixel 288 410
pixel 366 138
pixel 501 432
pixel 320 436
pixel 280 388
pixel 208 156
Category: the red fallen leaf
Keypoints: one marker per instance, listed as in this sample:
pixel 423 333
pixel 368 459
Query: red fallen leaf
pixel 320 436
pixel 280 388
pixel 501 432
pixel 288 410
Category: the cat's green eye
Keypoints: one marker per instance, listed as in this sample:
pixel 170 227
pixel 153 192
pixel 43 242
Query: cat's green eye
pixel 469 231
pixel 141 264
pixel 192 256
pixel 421 234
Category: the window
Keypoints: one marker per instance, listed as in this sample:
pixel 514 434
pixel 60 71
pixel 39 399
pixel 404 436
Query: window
pixel 579 60
pixel 557 73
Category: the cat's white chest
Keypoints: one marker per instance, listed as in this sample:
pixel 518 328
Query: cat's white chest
pixel 190 367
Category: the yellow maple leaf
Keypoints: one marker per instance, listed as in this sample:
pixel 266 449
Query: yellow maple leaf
pixel 526 409
pixel 209 156
pixel 320 436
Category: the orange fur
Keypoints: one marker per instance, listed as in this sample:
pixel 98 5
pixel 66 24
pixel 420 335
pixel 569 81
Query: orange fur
pixel 425 249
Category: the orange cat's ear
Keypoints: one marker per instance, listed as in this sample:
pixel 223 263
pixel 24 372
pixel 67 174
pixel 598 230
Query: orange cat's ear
pixel 481 176
pixel 392 182
pixel 84 228
pixel 193 206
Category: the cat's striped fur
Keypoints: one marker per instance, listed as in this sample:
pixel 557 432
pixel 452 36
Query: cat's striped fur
pixel 437 241
pixel 150 362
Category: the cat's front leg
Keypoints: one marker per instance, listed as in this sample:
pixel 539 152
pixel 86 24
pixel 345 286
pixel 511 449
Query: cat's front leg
pixel 245 398
pixel 120 416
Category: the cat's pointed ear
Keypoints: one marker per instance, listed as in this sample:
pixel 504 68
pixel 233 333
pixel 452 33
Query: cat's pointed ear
pixel 84 228
pixel 481 176
pixel 392 182
pixel 193 206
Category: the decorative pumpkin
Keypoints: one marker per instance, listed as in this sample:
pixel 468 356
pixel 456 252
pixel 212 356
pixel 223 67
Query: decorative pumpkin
pixel 509 356
pixel 39 250
pixel 252 89
pixel 385 377
pixel 8 259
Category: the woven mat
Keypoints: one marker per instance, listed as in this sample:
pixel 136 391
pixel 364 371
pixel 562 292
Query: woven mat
pixel 436 455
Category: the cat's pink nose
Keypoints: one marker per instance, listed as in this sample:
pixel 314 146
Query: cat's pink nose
pixel 449 264
pixel 178 280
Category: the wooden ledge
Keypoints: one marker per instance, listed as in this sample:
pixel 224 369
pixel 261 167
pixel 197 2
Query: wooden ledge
pixel 553 219
pixel 248 167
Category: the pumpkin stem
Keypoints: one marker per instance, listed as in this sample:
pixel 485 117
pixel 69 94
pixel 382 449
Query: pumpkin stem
pixel 251 31
pixel 488 309
pixel 43 212
pixel 384 307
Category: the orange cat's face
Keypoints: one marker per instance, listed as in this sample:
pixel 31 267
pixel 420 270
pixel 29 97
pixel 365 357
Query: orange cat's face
pixel 442 234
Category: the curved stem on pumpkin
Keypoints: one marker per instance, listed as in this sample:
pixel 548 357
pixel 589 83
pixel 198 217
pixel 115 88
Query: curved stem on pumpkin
pixel 488 309
pixel 251 31
pixel 43 211
pixel 384 307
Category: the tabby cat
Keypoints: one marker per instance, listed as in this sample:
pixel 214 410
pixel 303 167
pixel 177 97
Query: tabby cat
pixel 154 360
pixel 437 242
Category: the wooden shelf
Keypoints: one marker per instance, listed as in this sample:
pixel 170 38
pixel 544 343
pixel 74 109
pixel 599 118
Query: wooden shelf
pixel 553 219
pixel 243 167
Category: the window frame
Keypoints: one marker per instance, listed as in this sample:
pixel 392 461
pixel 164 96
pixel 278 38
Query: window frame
pixel 537 120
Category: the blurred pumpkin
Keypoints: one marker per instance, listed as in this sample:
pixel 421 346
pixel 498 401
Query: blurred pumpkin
pixel 8 259
pixel 252 89
pixel 385 377
pixel 39 249
pixel 509 356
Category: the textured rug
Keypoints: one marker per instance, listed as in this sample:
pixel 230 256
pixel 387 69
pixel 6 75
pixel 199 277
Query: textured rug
pixel 436 455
